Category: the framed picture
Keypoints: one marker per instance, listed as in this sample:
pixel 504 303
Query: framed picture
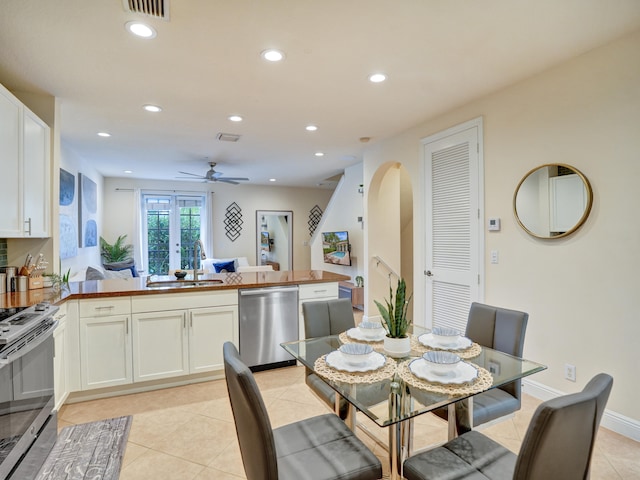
pixel 87 212
pixel 68 215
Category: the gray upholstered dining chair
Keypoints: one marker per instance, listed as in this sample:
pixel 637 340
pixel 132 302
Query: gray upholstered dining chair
pixel 558 444
pixel 501 329
pixel 323 318
pixel 318 448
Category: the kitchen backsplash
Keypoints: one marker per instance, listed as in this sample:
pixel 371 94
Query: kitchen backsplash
pixel 3 252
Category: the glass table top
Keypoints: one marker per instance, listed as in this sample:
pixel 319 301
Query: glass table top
pixel 393 400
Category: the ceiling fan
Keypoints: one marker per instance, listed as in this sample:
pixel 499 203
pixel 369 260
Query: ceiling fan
pixel 212 176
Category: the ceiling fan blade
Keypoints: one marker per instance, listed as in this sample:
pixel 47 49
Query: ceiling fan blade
pixel 192 174
pixel 233 178
pixel 226 180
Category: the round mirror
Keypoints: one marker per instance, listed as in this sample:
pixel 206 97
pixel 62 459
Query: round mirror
pixel 552 201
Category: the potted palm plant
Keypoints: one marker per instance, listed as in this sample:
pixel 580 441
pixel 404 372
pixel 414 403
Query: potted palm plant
pixel 397 342
pixel 117 256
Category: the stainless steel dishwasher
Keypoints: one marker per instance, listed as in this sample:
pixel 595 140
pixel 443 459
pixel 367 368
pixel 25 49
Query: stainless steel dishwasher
pixel 268 317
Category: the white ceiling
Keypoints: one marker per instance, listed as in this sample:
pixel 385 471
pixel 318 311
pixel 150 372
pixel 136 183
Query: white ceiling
pixel 205 65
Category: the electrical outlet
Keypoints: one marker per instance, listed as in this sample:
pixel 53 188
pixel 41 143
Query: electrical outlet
pixel 570 372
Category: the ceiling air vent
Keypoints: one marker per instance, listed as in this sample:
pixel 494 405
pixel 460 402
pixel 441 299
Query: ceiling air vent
pixel 228 137
pixel 151 8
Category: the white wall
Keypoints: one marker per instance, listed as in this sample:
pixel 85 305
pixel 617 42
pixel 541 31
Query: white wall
pixel 119 213
pixel 342 214
pixel 74 164
pixel 579 291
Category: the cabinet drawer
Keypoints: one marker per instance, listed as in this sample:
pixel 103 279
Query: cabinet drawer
pixel 176 301
pixel 61 315
pixel 100 307
pixel 318 290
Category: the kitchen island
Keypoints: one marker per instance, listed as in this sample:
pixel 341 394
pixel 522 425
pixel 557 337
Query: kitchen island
pixel 121 336
pixel 138 286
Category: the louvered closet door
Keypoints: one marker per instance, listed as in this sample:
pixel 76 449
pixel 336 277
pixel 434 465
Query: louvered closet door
pixel 452 228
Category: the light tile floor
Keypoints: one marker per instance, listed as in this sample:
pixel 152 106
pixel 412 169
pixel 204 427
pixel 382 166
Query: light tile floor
pixel 188 432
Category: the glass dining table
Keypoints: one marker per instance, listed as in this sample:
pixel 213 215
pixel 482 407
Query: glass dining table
pixel 397 390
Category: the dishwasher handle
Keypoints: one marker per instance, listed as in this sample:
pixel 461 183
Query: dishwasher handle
pixel 268 290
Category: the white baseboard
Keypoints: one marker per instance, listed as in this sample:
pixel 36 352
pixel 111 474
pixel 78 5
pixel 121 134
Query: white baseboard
pixel 613 421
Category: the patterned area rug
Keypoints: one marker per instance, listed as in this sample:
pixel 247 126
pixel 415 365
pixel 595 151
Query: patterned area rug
pixel 88 451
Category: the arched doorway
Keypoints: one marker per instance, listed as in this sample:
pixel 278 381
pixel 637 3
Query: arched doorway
pixel 389 233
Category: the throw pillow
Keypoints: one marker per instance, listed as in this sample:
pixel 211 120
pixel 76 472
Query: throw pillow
pixel 94 274
pixel 126 273
pixel 225 267
pixel 126 265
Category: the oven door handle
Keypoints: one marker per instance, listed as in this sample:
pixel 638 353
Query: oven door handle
pixel 29 346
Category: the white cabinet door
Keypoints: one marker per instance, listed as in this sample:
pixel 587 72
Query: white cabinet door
pixel 36 168
pixel 60 365
pixel 160 347
pixel 209 328
pixel 11 179
pixel 105 351
pixel 60 358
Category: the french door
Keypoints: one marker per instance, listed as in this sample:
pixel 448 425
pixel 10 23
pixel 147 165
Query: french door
pixel 453 224
pixel 171 226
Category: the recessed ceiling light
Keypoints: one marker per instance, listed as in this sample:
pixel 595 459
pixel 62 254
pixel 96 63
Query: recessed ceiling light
pixel 128 171
pixel 319 154
pixel 104 134
pixel 311 128
pixel 235 118
pixel 141 29
pixel 272 55
pixel 272 179
pixel 377 77
pixel 152 108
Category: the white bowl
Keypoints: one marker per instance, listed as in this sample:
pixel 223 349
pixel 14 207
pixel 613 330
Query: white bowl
pixel 371 329
pixel 355 353
pixel 445 335
pixel 441 363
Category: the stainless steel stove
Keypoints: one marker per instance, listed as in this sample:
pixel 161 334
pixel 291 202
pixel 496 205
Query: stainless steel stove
pixel 28 426
pixel 16 322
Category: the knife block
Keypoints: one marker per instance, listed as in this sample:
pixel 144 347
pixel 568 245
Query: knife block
pixel 35 282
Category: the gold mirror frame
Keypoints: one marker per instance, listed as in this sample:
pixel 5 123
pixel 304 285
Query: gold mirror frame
pixel 579 223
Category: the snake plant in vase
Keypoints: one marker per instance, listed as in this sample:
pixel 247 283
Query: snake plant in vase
pixel 397 342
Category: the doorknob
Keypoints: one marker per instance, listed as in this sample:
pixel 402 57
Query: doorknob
pixel 428 273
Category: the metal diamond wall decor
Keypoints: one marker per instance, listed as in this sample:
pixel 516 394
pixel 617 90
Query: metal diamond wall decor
pixel 315 215
pixel 233 221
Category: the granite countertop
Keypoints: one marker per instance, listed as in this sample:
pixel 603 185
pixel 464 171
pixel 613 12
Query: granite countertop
pixel 138 286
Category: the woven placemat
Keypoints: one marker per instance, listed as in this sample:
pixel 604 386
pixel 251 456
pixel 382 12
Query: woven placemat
pixel 344 338
pixel 473 351
pixel 470 352
pixel 388 370
pixel 480 384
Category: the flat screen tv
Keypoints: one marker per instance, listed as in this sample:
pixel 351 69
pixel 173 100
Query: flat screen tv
pixel 265 244
pixel 336 248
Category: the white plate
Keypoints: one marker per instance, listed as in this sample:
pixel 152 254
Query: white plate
pixel 427 340
pixel 357 334
pixel 463 373
pixel 337 361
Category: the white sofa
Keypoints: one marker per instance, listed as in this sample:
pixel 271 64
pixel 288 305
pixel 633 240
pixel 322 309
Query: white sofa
pixel 241 264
